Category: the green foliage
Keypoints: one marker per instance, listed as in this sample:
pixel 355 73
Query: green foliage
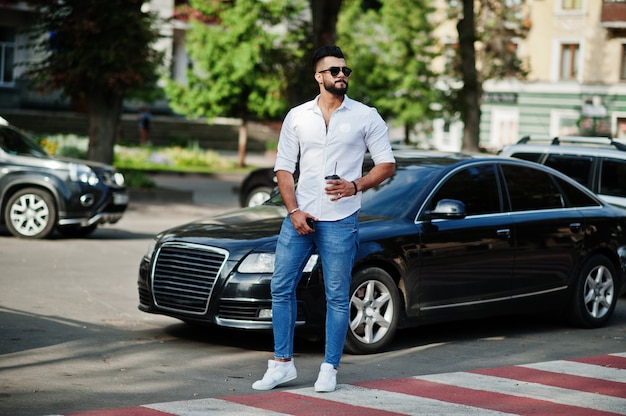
pixel 173 158
pixel 69 145
pixel 95 47
pixel 240 62
pixel 391 47
pixel 137 179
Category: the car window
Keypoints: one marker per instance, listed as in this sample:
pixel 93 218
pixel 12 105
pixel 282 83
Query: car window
pixel 574 197
pixel 532 157
pixel 531 189
pixel 613 178
pixel 475 186
pixel 408 183
pixel 576 167
pixel 14 143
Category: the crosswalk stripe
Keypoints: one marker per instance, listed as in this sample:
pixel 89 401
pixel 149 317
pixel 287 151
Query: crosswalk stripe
pixel 528 390
pixel 292 403
pixel 613 361
pixel 483 398
pixel 203 407
pixel 565 381
pixel 581 369
pixel 402 403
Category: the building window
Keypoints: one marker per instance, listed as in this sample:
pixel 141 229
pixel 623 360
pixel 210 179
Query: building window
pixel 569 61
pixel 7 55
pixel 571 4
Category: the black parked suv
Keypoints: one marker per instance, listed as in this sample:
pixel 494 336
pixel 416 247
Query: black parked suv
pixel 599 163
pixel 40 193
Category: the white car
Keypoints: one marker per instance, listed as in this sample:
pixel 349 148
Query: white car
pixel 599 163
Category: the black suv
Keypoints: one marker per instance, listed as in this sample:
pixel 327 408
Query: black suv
pixel 39 193
pixel 599 163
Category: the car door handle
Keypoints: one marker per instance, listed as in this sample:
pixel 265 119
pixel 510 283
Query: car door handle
pixel 575 227
pixel 504 233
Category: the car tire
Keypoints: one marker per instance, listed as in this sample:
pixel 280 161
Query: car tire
pixel 374 311
pixel 595 293
pixel 257 196
pixel 76 231
pixel 30 213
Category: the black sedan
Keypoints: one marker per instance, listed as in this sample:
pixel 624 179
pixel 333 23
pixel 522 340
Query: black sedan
pixel 448 237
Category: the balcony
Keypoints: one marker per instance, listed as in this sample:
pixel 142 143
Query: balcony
pixel 613 16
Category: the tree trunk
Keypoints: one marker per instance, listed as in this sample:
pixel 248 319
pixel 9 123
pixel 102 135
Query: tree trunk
pixel 242 142
pixel 407 133
pixel 104 118
pixel 324 15
pixel 471 89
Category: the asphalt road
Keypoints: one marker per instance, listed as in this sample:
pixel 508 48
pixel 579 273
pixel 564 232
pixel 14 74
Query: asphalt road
pixel 72 338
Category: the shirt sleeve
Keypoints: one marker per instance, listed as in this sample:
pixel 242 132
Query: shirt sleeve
pixel 377 139
pixel 288 146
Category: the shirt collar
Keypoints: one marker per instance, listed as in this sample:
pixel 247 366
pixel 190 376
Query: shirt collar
pixel 347 103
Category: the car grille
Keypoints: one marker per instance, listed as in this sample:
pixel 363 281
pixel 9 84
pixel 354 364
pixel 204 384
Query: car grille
pixel 241 310
pixel 248 310
pixel 184 275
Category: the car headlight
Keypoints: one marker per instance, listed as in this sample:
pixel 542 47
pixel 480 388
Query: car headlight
pixel 83 173
pixel 118 179
pixel 264 263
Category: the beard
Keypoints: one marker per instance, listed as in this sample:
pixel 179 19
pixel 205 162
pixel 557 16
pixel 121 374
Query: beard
pixel 332 88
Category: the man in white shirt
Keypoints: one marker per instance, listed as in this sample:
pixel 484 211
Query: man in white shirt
pixel 326 136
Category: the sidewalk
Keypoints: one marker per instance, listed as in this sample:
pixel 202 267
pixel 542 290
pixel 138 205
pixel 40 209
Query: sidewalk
pixel 215 190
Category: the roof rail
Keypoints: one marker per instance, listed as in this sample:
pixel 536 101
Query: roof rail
pixel 600 140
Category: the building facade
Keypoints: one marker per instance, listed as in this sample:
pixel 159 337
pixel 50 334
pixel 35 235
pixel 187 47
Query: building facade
pixel 576 56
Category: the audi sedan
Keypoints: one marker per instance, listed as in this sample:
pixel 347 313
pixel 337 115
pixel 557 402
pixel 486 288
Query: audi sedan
pixel 448 237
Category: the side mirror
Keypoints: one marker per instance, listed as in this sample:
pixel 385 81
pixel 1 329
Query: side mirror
pixel 448 209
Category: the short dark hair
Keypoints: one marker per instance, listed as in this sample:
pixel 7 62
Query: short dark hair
pixel 326 51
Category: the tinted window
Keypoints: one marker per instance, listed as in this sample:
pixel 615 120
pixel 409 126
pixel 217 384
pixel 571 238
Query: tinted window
pixel 14 143
pixel 574 197
pixel 576 167
pixel 403 188
pixel 533 157
pixel 531 189
pixel 613 177
pixel 475 186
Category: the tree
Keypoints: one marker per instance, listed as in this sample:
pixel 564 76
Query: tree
pixel 322 32
pixel 241 61
pixel 391 47
pixel 98 52
pixel 486 30
pixel 324 14
pixel 471 91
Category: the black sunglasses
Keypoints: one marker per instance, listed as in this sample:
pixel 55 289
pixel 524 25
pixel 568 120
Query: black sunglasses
pixel 334 70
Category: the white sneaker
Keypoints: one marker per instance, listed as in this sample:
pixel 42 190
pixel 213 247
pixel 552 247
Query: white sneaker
pixel 277 373
pixel 327 379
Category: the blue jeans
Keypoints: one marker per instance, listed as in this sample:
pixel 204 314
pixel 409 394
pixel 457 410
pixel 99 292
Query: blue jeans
pixel 336 243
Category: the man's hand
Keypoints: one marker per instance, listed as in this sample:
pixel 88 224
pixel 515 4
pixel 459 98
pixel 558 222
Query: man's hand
pixel 299 220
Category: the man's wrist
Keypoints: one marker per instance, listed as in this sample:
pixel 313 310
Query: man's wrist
pixel 296 209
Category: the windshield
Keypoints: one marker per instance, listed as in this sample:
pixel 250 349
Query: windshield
pixel 15 143
pixel 396 196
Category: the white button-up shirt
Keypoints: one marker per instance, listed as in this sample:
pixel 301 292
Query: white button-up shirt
pixel 353 129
